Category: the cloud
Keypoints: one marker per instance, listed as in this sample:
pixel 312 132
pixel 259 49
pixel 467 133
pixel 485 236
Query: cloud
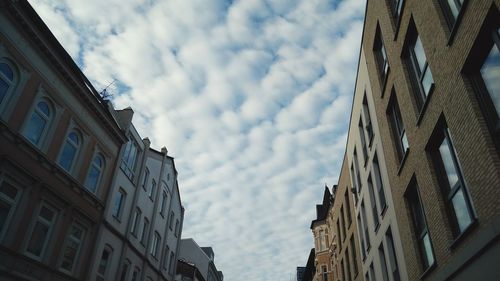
pixel 252 98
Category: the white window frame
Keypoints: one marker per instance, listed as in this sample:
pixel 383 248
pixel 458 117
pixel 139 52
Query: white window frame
pixel 99 276
pixel 21 76
pixel 80 242
pixel 100 169
pixel 12 202
pixel 136 220
pixel 79 147
pixel 50 225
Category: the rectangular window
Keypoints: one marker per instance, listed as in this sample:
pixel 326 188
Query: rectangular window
pixel 145 179
pixel 361 237
pixel 354 184
pixel 102 270
pixel 342 267
pixel 420 225
pixel 368 120
pixel 163 203
pixel 172 263
pixel 118 204
pixel 380 56
pixel 322 240
pixel 136 220
pixel 165 258
pixel 396 7
pixel 325 273
pixel 135 274
pixel 398 127
pixel 380 186
pixel 155 244
pixel 451 9
pixel 452 183
pixel 393 261
pixel 144 233
pixel 171 222
pixel 9 198
pixel 419 68
pixel 338 234
pixel 348 207
pixel 383 264
pixel 365 226
pixel 354 257
pixel 129 159
pixel 356 167
pixel 347 264
pixel 342 223
pixel 72 249
pixel 362 137
pixel 372 272
pixel 152 190
pixel 373 203
pixel 176 231
pixel 41 231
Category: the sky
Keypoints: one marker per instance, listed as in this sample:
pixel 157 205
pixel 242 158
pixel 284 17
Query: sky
pixel 251 97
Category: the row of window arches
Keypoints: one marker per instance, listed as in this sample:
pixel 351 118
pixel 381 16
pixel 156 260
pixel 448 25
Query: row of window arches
pixel 41 119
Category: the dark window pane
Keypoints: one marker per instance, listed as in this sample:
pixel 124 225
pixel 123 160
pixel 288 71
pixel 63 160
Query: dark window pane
pixel 449 165
pixel 35 128
pixel 8 190
pixel 67 156
pixel 427 81
pixel 461 210
pixel 454 7
pixel 7 71
pixel 46 214
pixel 44 108
pixel 490 71
pixel 38 237
pixel 4 87
pixel 93 179
pixel 427 250
pixel 419 54
pixel 4 213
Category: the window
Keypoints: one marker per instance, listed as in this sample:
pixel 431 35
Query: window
pixel 451 9
pixel 383 264
pixel 118 205
pixel 145 179
pixel 342 223
pixel 365 226
pixel 155 244
pixel 372 272
pixel 135 222
pixel 380 56
pixel 123 274
pixel 95 173
pixel 38 124
pixel 163 203
pixel 362 238
pixel 368 120
pixel 420 224
pixel 452 183
pixel 41 231
pixel 7 81
pixel 72 249
pixel 354 258
pixel 393 261
pixel 172 263
pixel 343 269
pixel 144 233
pixel 398 127
pixel 135 274
pixel 129 158
pixel 70 151
pixel 171 223
pixel 325 273
pixel 338 234
pixel 176 233
pixel 419 68
pixel 322 244
pixel 9 198
pixel 152 190
pixel 373 203
pixel 363 140
pixel 396 7
pixel 102 270
pixel 380 186
pixel 347 263
pixel 348 208
pixel 165 258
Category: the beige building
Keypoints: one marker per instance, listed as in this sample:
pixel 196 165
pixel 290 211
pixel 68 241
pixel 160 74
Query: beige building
pixel 322 238
pixel 58 150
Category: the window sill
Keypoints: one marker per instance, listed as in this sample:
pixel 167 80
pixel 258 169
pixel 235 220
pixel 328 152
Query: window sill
pixel 428 271
pixel 424 106
pixel 464 234
pixel 403 161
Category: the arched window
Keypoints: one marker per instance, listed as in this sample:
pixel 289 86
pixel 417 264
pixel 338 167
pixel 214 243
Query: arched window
pixel 70 151
pixel 95 173
pixel 39 122
pixel 7 81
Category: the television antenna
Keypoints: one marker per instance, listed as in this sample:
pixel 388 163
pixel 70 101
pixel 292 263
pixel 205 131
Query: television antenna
pixel 104 94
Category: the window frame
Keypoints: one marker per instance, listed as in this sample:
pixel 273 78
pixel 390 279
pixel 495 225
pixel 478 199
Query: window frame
pixel 398 128
pixel 100 169
pixel 119 213
pixel 50 224
pixel 77 146
pixel 48 119
pixel 144 230
pixel 69 237
pixel 104 275
pixel 136 220
pixel 381 58
pixel 12 202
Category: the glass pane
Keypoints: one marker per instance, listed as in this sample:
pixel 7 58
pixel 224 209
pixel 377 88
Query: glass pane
pixel 4 87
pixel 454 8
pixel 44 108
pixel 93 179
pixel 4 213
pixel 461 211
pixel 419 54
pixel 46 213
pixel 7 71
pixel 490 71
pixel 118 204
pixel 76 233
pixel 69 255
pixel 67 156
pixel 104 262
pixel 404 142
pixel 427 81
pixel 428 256
pixel 38 237
pixel 35 128
pixel 449 164
pixel 9 190
pixel 98 161
pixel 74 137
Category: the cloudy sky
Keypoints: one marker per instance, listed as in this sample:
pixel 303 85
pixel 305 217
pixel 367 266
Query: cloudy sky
pixel 251 97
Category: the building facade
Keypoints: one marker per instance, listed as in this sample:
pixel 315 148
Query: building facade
pixel 203 258
pixel 322 238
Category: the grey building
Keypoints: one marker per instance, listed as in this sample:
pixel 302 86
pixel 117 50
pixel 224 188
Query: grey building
pixel 203 258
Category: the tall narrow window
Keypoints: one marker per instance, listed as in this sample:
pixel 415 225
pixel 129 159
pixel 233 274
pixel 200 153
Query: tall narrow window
pixel 9 198
pixel 420 225
pixel 398 127
pixel 365 226
pixel 322 240
pixel 354 257
pixel 451 9
pixel 155 244
pixel 368 120
pixel 324 273
pixel 118 204
pixel 419 67
pixel 145 179
pixel 380 56
pixel 39 122
pixel 95 173
pixel 348 208
pixel 354 184
pixel 135 274
pixel 152 190
pixel 165 258
pixel 338 234
pixel 452 183
pixel 163 203
pixel 172 263
pixel 42 230
pixel 373 203
pixel 176 232
pixel 144 232
pixel 129 158
pixel 123 275
pixel 380 185
pixel 102 269
pixel 7 82
pixel 136 221
pixel 72 249
pixel 347 263
pixel 396 7
pixel 383 263
pixel 342 223
pixel 342 266
pixel 393 261
pixel 171 222
pixel 372 272
pixel 363 140
pixel 70 151
pixel 361 237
